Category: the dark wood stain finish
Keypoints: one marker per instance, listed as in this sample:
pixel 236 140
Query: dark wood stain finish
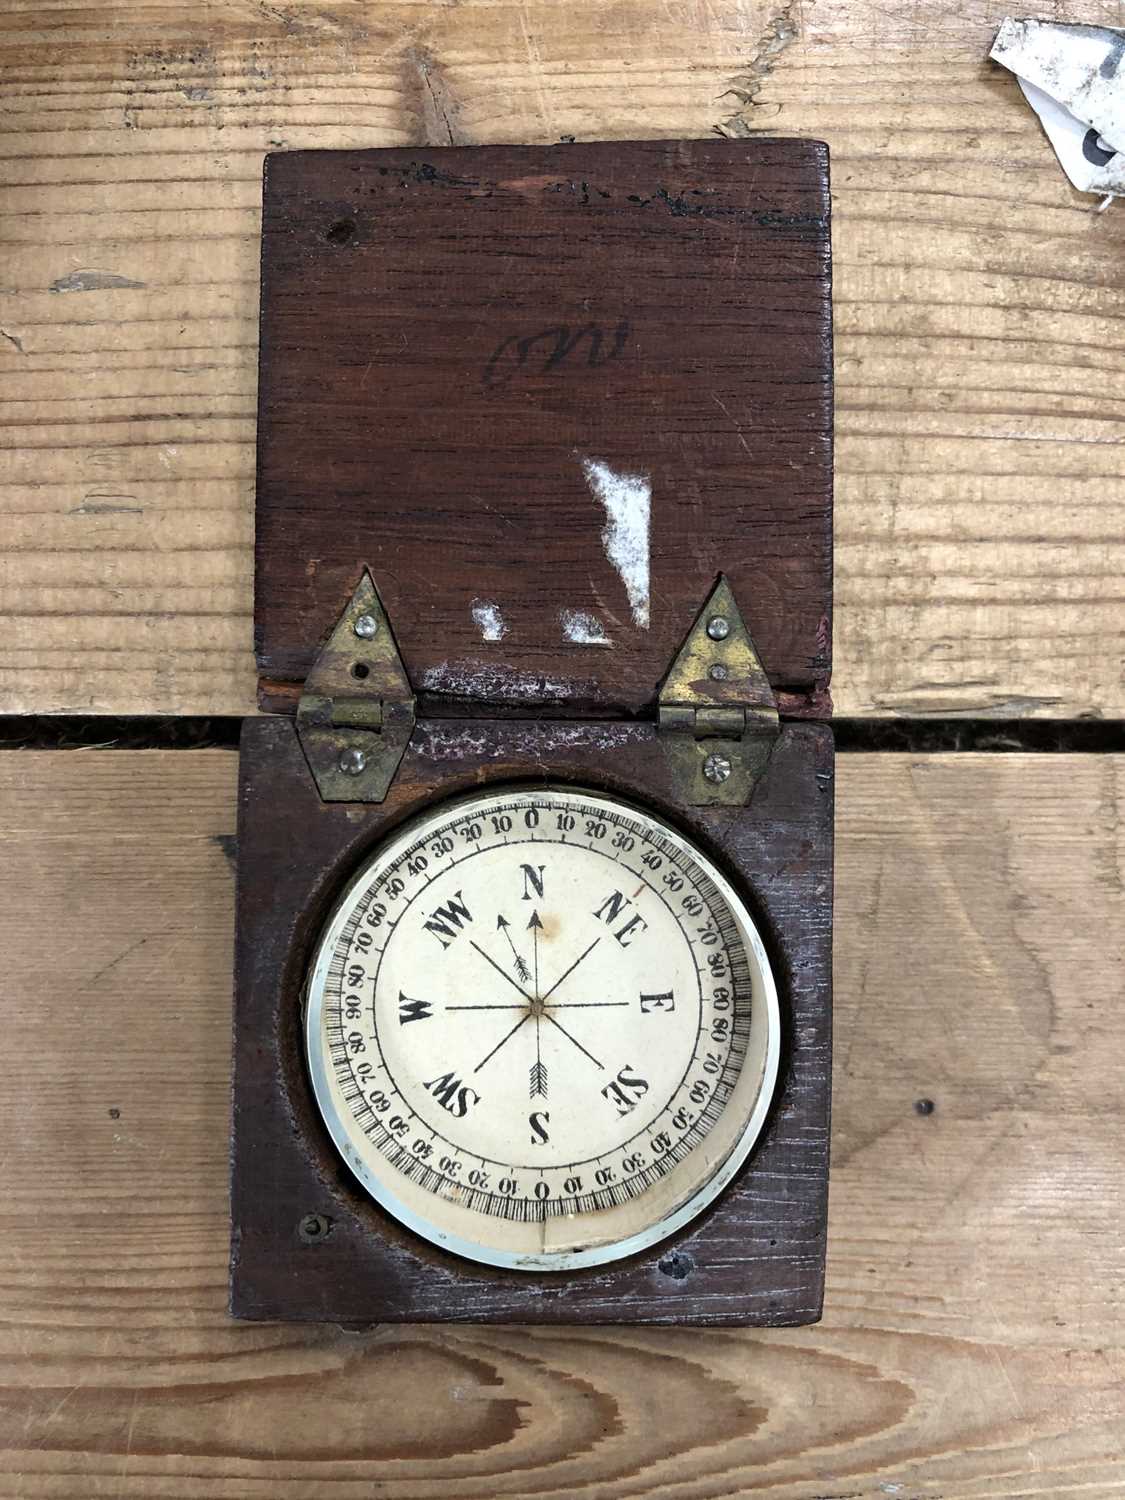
pixel 446 336
pixel 449 335
pixel 755 1257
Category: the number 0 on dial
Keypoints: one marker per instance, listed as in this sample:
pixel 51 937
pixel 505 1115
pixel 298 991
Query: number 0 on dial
pixel 542 1028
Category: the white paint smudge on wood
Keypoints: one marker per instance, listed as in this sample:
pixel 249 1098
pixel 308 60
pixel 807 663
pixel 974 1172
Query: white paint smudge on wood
pixel 628 506
pixel 489 620
pixel 582 628
pixel 452 742
pixel 486 682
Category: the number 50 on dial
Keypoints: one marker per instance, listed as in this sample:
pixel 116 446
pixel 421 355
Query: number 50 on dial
pixel 542 1028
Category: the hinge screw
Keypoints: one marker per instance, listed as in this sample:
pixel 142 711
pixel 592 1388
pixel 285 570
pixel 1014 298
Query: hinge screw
pixel 352 762
pixel 718 627
pixel 366 627
pixel 716 768
pixel 718 672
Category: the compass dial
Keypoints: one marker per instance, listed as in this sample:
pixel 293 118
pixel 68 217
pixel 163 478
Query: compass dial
pixel 542 1028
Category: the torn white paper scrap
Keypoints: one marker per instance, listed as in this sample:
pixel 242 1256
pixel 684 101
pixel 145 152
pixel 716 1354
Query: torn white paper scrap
pixel 1092 165
pixel 1073 78
pixel 1079 66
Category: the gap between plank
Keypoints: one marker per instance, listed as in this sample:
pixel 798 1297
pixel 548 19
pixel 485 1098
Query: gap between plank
pixel 912 736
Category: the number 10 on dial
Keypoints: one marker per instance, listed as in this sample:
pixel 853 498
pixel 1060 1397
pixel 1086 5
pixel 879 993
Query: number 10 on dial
pixel 542 1028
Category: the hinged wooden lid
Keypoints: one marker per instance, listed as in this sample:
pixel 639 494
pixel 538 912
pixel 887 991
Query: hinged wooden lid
pixel 546 395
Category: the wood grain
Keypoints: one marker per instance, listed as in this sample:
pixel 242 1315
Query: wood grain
pixel 980 366
pixel 456 343
pixel 974 1339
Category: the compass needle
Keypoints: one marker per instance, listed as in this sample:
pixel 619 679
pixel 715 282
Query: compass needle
pixel 452 1071
pixel 536 927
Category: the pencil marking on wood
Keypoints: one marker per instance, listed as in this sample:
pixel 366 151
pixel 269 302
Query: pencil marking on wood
pixel 550 348
pixel 628 506
pixel 440 124
pixel 125 953
pixel 107 505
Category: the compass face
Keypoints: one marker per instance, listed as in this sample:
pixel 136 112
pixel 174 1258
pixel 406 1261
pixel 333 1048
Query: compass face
pixel 542 1028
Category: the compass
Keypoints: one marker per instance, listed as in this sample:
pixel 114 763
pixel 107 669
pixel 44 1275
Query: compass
pixel 542 1028
pixel 533 971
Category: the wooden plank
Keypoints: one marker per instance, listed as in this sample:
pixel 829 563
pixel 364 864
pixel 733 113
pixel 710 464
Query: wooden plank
pixel 980 364
pixel 973 1345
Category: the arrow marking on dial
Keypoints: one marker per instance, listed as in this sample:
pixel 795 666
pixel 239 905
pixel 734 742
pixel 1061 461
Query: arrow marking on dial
pixel 522 971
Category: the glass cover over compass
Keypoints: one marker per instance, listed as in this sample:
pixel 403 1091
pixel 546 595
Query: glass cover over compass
pixel 542 1028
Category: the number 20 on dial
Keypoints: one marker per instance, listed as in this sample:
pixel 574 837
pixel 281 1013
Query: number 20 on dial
pixel 542 1028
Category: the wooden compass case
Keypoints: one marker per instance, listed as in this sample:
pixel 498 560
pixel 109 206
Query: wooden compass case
pixel 481 371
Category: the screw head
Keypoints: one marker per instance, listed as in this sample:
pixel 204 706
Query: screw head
pixel 366 627
pixel 718 627
pixel 352 761
pixel 717 768
pixel 314 1227
pixel 677 1263
pixel 718 672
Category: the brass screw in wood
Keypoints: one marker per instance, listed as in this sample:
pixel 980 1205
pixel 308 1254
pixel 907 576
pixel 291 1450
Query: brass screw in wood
pixel 716 768
pixel 314 1227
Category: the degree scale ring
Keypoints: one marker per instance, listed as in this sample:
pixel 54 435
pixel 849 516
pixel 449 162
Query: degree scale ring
pixel 541 1028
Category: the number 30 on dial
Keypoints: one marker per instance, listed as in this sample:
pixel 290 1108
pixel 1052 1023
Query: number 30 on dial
pixel 542 1028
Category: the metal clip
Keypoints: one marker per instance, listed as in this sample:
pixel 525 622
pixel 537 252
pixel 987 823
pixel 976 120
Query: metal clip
pixel 717 712
pixel 356 712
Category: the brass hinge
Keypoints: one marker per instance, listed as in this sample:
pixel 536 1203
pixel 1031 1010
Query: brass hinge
pixel 356 712
pixel 716 711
